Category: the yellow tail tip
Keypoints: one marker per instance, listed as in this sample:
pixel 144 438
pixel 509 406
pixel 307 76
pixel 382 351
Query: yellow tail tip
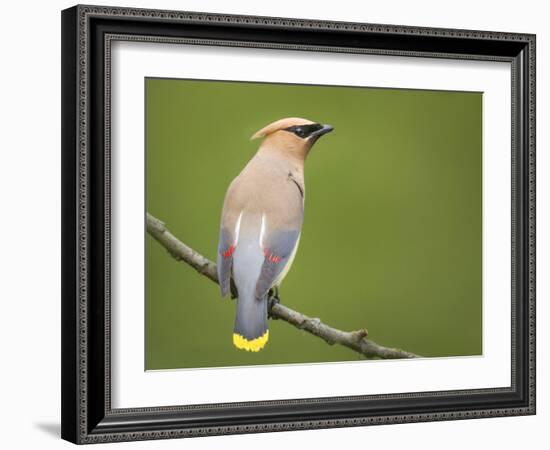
pixel 254 345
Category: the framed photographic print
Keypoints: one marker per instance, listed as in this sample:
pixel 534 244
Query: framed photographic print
pixel 279 224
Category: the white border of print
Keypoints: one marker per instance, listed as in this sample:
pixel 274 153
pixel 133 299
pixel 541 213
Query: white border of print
pixel 132 386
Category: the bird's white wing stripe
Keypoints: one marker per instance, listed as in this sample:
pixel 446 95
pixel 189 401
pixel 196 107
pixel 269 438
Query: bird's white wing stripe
pixel 262 231
pixel 238 228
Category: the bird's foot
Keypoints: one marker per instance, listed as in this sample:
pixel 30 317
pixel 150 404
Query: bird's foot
pixel 234 293
pixel 272 300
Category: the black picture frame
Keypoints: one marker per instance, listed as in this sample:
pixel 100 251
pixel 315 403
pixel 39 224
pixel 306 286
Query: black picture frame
pixel 87 416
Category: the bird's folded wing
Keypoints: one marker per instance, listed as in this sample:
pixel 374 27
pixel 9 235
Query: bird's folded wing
pixel 226 248
pixel 278 249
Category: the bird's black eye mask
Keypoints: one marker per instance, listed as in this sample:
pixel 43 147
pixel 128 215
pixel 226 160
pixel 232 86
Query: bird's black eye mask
pixel 304 131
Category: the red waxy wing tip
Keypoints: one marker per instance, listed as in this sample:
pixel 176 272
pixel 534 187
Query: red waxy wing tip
pixel 271 257
pixel 228 252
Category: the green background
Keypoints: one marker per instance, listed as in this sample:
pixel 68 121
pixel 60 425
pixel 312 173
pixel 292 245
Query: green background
pixel 391 240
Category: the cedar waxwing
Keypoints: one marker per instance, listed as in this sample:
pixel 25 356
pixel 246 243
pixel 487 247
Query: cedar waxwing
pixel 261 222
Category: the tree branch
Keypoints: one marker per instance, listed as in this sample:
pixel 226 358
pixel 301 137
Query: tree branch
pixel 355 340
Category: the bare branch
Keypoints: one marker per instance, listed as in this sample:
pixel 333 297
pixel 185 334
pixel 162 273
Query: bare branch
pixel 355 340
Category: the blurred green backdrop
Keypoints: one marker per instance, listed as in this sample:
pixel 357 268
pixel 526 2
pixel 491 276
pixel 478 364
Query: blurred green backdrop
pixel 392 234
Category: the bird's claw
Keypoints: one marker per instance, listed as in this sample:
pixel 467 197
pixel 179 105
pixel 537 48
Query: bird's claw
pixel 233 290
pixel 272 300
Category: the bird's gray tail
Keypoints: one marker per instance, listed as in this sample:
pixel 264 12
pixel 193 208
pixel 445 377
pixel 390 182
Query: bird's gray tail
pixel 250 332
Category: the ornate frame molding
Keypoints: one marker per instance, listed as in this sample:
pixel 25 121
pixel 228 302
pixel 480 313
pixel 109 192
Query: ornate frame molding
pixel 87 38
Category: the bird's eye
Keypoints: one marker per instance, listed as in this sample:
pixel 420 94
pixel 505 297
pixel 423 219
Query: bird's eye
pixel 303 131
pixel 299 131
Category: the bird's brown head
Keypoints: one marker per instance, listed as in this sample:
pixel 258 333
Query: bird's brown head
pixel 292 136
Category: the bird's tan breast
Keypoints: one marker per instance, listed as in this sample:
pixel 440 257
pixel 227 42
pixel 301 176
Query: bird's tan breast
pixel 271 188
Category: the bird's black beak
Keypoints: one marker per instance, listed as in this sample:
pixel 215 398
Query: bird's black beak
pixel 324 130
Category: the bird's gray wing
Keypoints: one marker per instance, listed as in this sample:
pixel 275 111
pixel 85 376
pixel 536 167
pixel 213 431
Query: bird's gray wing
pixel 277 251
pixel 226 248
